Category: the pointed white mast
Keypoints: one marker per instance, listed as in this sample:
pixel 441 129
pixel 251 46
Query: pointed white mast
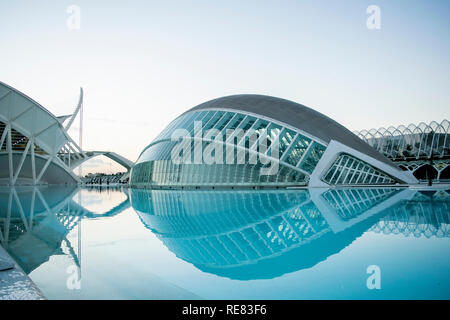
pixel 80 103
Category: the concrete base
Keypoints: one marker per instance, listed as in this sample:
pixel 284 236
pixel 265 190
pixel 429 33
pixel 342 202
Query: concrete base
pixel 14 283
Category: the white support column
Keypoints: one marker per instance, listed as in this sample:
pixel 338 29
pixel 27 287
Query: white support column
pixel 22 214
pixel 9 149
pixel 8 220
pixel 80 170
pixel 22 160
pixel 443 149
pixel 2 139
pixel 33 199
pixel 44 168
pixel 44 203
pixel 77 109
pixel 33 160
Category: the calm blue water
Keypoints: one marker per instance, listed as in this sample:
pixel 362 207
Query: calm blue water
pixel 296 244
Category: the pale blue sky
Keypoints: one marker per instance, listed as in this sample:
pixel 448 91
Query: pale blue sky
pixel 142 63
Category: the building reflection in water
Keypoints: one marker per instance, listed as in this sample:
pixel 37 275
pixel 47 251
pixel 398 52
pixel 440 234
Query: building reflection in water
pixel 35 222
pixel 243 234
pixel 264 234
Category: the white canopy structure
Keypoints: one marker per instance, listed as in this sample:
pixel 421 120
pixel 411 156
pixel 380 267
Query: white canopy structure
pixel 35 147
pixel 423 149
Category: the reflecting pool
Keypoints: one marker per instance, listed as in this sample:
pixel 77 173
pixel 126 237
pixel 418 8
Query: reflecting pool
pixel 119 243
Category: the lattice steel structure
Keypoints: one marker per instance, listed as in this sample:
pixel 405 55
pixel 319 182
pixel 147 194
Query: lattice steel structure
pixel 35 222
pixel 415 147
pixel 350 203
pixel 430 217
pixel 35 147
pixel 300 141
pixel 348 170
pixel 410 142
pixel 262 234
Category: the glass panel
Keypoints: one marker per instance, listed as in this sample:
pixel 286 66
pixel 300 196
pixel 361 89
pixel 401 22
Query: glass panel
pixel 297 150
pixel 312 158
pixel 224 121
pixel 358 172
pixel 233 124
pixel 247 123
pixel 188 125
pixel 285 140
pixel 157 169
pixel 203 118
pixel 182 122
pixel 273 132
pixel 211 123
pixel 260 126
pixel 330 173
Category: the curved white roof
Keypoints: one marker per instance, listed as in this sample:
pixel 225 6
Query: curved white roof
pixel 31 119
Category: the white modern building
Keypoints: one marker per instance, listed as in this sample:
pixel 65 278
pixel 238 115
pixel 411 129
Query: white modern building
pixel 35 147
pixel 311 149
pixel 422 149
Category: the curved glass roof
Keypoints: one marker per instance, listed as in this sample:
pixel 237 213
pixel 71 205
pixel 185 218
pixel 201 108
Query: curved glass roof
pixel 301 133
pixel 296 115
pixel 294 154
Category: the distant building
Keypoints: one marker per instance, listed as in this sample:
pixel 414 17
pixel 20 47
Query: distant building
pixel 421 149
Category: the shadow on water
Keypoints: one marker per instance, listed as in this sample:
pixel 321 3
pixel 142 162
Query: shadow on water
pixel 235 234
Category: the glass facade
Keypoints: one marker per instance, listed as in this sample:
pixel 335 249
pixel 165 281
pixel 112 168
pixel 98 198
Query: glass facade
pixel 348 170
pixel 241 145
pixel 217 147
pixel 350 203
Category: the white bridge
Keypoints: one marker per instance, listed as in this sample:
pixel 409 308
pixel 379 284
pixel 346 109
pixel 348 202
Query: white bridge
pixel 78 159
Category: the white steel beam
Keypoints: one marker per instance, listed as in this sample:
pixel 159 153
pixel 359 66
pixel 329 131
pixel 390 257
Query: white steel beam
pixel 10 160
pixel 22 160
pixel 44 168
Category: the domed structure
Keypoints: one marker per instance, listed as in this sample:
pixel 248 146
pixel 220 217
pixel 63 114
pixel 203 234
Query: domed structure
pixel 257 141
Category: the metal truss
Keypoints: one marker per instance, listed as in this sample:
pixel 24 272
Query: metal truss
pixel 410 142
pixel 429 218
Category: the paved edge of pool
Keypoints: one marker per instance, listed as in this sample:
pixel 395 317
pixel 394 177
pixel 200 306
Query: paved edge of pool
pixel 15 284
